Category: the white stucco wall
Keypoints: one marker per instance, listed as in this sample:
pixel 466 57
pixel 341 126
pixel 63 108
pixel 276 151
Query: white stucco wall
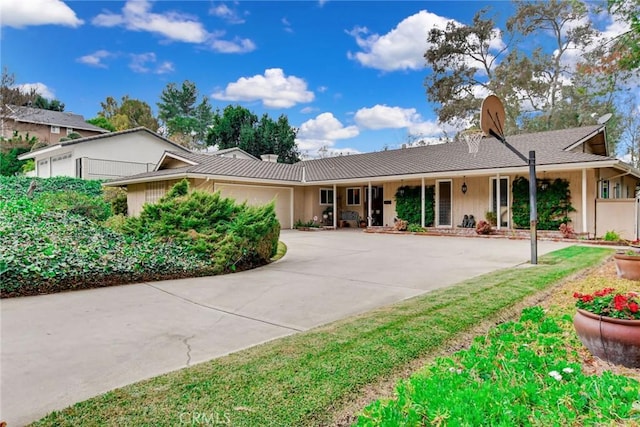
pixel 113 156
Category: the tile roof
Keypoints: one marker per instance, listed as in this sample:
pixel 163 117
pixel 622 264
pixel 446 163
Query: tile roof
pixel 454 156
pixel 449 157
pixel 48 117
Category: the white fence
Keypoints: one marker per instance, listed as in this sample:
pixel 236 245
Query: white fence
pixel 618 215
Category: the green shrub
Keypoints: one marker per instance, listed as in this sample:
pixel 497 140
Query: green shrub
pixel 94 208
pixel 233 236
pixel 611 236
pixel 415 228
pixel 117 198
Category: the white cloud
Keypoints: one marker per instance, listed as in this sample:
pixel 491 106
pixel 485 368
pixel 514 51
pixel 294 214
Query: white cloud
pixel 40 88
pixel 308 110
pixel 238 45
pixel 165 68
pixel 24 13
pixel 385 117
pixel 95 59
pixel 225 12
pixel 323 131
pixel 137 16
pixel 326 126
pixel 274 89
pixel 147 63
pixel 286 25
pixel 401 48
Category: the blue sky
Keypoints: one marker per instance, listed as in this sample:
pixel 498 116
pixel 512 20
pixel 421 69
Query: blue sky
pixel 349 75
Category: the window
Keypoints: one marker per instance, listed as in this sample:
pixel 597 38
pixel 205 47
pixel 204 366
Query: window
pixel 55 129
pixel 604 189
pixel 353 196
pixel 69 131
pixel 326 196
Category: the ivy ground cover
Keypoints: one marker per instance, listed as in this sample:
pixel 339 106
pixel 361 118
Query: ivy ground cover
pixel 58 239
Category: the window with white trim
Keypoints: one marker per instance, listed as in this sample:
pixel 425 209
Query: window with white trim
pixel 326 196
pixel 353 196
pixel 55 129
pixel 604 189
pixel 69 131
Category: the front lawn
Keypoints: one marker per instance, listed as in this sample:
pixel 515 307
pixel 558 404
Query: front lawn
pixel 306 378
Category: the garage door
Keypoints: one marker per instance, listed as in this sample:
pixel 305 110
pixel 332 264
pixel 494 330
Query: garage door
pixel 259 195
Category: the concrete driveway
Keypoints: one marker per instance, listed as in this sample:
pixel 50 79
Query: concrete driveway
pixel 63 348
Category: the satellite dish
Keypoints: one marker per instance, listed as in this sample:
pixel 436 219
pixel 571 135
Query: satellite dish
pixel 492 117
pixel 604 119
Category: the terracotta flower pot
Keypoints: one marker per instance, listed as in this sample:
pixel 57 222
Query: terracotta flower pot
pixel 613 340
pixel 628 266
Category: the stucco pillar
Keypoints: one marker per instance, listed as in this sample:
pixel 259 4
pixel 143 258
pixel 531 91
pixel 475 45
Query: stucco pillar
pixel 369 217
pixel 422 202
pixel 585 228
pixel 291 207
pixel 335 207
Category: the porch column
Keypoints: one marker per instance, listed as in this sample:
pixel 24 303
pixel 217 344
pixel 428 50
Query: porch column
pixel 422 202
pixel 369 217
pixel 585 229
pixel 291 207
pixel 498 207
pixel 335 207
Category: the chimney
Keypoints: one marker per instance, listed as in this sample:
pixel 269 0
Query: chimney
pixel 273 158
pixel 404 146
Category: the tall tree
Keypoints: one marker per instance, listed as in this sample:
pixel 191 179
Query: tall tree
pixel 185 121
pixel 47 104
pixel 129 113
pixel 238 127
pixel 542 89
pixel 103 123
pixel 626 48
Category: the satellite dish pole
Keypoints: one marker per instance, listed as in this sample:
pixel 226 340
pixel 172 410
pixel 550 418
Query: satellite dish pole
pixel 492 119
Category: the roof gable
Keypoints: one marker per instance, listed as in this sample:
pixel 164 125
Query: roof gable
pixel 97 138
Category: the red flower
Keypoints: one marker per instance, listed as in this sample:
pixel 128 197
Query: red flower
pixel 577 295
pixel 620 302
pixel 603 292
pixel 633 307
pixel 586 298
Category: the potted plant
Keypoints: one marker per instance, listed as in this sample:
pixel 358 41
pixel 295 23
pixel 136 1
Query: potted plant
pixel 628 264
pixel 608 324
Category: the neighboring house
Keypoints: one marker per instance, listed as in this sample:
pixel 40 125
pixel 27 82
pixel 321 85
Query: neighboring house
pixel 234 153
pixel 105 156
pixel 48 126
pixel 363 186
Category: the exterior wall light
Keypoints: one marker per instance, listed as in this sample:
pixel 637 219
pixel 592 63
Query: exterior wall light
pixel 464 188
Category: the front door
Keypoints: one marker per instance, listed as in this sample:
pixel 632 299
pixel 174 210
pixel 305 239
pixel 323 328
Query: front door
pixel 444 204
pixel 377 204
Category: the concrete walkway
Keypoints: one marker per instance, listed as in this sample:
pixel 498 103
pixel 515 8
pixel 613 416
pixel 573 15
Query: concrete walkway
pixel 63 348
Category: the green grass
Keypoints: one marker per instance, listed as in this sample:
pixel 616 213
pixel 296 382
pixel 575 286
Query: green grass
pixel 301 379
pixel 280 252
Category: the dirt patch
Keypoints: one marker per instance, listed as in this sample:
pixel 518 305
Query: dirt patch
pixel 558 299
